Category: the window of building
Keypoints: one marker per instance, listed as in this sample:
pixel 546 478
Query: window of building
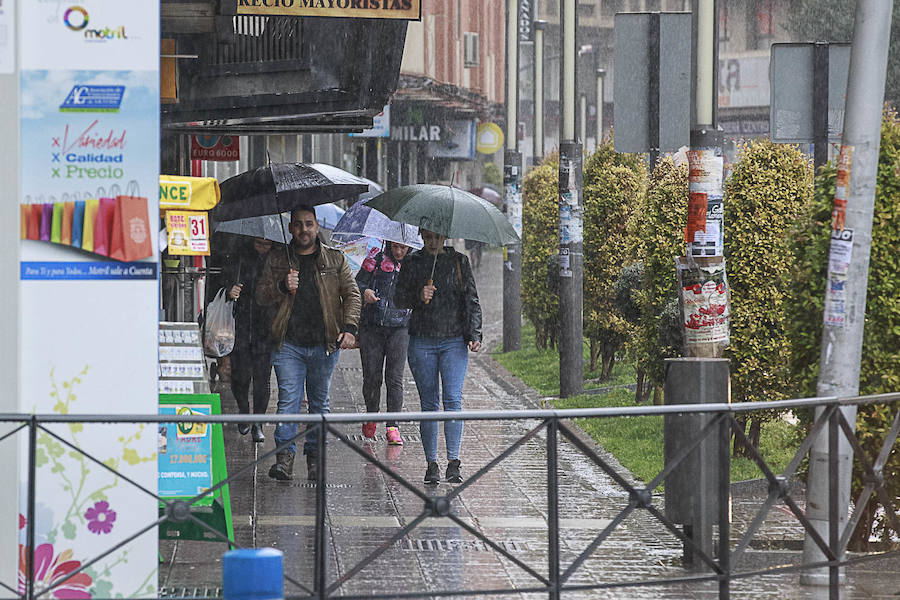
pixel 585 10
pixel 471 49
pixel 653 5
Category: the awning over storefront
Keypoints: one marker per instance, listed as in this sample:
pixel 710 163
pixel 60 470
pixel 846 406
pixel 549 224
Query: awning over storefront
pixel 188 193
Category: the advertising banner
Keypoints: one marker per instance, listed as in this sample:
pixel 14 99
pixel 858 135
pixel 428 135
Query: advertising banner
pixel 89 154
pixel 409 10
pixel 215 147
pixel 185 453
pixel 188 233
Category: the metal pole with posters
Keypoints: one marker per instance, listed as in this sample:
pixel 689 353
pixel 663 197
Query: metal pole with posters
pixel 701 273
pixel 848 269
pixel 512 192
pixel 571 257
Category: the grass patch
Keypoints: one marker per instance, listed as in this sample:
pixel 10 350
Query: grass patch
pixel 539 369
pixel 637 442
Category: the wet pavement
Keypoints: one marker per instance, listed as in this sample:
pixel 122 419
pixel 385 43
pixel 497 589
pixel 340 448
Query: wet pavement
pixel 366 508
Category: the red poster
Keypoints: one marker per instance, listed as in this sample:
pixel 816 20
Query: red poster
pixel 215 147
pixel 696 217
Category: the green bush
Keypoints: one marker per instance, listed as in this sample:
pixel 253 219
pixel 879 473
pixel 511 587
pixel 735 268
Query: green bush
pixel 880 367
pixel 656 237
pixel 767 192
pixel 540 244
pixel 613 185
pixel 493 174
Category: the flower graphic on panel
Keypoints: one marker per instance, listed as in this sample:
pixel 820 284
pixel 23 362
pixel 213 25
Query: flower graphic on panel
pixel 100 518
pixel 50 569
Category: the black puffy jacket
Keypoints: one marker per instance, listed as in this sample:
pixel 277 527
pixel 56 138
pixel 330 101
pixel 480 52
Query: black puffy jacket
pixel 454 310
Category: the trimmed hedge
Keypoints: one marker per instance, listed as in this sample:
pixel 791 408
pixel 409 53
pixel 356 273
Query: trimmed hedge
pixel 540 245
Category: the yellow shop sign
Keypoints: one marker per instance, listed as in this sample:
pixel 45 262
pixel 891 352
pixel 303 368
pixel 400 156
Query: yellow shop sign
pixel 408 10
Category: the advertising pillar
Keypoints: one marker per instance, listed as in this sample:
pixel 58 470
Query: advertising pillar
pixel 88 112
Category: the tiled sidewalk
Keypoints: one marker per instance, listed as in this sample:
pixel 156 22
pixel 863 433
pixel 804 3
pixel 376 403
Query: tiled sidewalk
pixel 508 505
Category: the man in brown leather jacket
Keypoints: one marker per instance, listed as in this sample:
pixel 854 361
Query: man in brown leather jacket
pixel 316 307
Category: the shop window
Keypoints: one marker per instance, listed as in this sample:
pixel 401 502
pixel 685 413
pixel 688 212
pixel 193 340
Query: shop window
pixel 585 10
pixel 471 49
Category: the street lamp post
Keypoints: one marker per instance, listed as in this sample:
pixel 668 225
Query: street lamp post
pixel 601 75
pixel 512 181
pixel 538 138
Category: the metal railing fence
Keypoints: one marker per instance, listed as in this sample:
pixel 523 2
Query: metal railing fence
pixel 554 426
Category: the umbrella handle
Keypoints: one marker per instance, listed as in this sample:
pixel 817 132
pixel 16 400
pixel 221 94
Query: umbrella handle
pixel 430 282
pixel 293 292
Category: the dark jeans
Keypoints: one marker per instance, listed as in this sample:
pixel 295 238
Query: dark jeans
pixel 247 366
pixel 383 349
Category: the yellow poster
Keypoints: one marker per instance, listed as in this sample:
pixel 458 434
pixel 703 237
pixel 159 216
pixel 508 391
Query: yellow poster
pixel 188 233
pixel 409 10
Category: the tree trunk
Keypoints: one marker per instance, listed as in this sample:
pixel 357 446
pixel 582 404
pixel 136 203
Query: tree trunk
pixel 609 361
pixel 595 356
pixel 657 395
pixel 639 394
pixel 859 540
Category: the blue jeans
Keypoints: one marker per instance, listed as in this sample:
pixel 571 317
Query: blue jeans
pixel 447 358
pixel 297 367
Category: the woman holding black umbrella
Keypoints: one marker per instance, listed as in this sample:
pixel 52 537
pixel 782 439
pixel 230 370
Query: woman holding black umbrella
pixel 251 358
pixel 438 285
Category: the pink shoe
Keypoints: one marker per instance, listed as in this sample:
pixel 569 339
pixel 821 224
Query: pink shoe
pixel 368 430
pixel 393 437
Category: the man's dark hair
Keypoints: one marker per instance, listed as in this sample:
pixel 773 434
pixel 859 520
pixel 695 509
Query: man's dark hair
pixel 308 209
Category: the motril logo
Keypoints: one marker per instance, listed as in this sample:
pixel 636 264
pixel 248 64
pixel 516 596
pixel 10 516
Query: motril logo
pixel 76 19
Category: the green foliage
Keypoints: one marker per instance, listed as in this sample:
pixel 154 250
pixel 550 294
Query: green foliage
pixel 656 237
pixel 540 243
pixel 832 20
pixel 493 174
pixel 880 366
pixel 768 191
pixel 613 185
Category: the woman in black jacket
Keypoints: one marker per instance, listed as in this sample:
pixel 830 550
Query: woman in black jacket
pixel 383 336
pixel 438 285
pixel 251 358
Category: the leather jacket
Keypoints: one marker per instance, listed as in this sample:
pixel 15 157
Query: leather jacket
pixel 454 310
pixel 380 273
pixel 338 294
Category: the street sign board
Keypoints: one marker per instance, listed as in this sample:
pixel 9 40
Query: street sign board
pixel 634 69
pixel 791 108
pixel 409 10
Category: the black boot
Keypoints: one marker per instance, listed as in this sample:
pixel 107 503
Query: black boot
pixel 452 473
pixel 257 434
pixel 312 467
pixel 433 474
pixel 283 469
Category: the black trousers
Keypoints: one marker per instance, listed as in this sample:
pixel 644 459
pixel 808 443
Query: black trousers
pixel 247 366
pixel 383 354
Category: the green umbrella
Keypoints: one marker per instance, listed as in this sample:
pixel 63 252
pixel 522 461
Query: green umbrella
pixel 448 211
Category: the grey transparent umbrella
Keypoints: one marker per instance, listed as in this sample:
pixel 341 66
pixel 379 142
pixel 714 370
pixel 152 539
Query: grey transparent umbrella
pixel 446 210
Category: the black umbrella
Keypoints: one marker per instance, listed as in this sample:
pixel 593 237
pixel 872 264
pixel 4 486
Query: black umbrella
pixel 283 187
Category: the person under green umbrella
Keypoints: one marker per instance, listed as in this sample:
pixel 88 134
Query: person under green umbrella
pixel 438 285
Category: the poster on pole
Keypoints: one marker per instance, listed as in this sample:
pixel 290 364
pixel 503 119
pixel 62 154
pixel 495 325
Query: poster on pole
pixel 89 153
